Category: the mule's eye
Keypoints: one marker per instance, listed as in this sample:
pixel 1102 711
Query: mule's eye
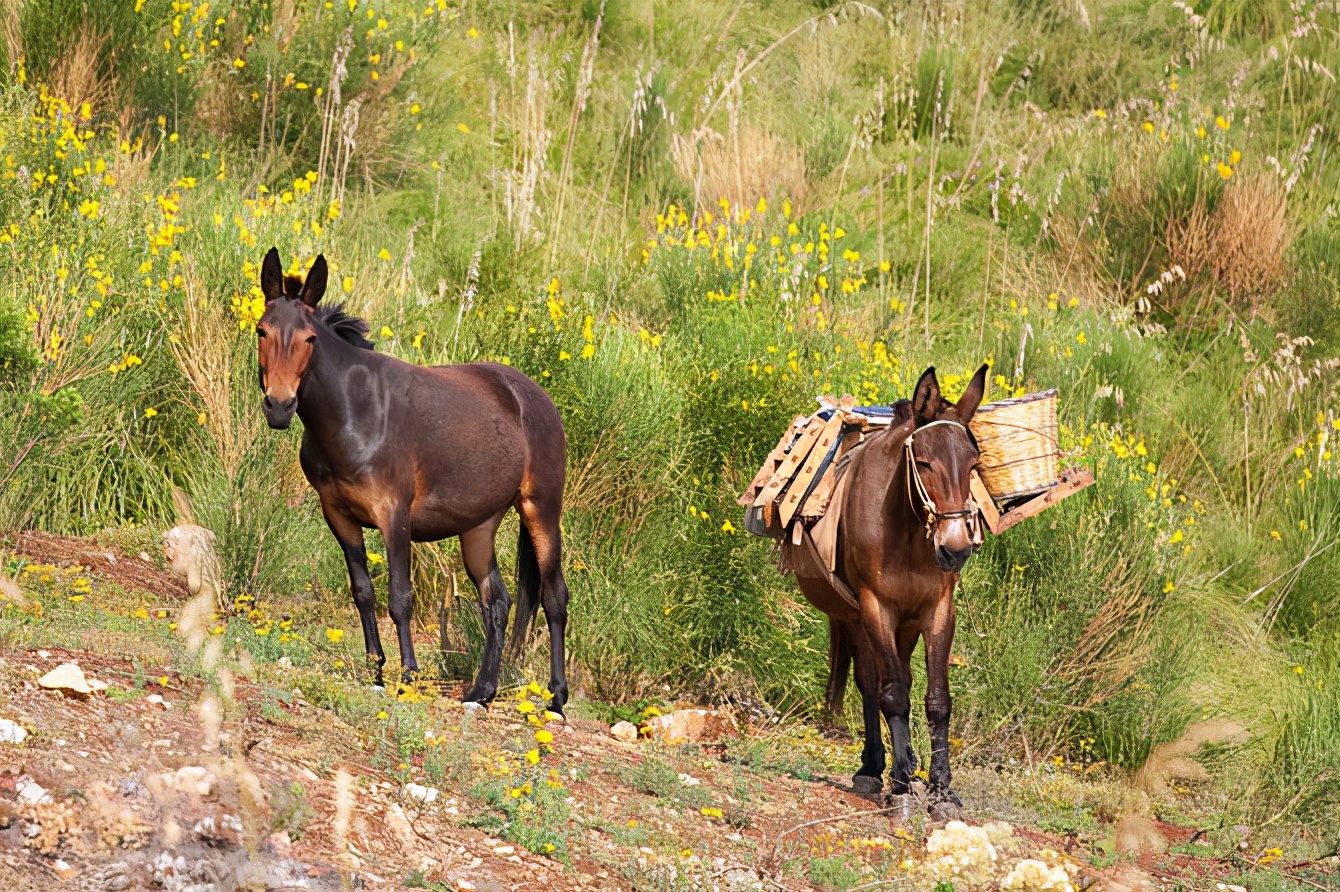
pixel 260 332
pixel 311 339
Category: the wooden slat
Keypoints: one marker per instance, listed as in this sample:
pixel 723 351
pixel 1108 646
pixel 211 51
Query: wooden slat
pixel 787 469
pixel 984 501
pixel 765 473
pixel 1071 482
pixel 817 504
pixel 801 482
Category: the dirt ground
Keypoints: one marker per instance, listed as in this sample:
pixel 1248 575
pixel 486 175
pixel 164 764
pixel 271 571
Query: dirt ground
pixel 271 776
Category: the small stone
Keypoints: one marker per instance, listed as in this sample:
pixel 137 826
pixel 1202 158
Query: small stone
pixel 67 678
pixel 625 731
pixel 280 843
pixel 64 870
pixel 685 726
pixel 398 823
pixel 12 732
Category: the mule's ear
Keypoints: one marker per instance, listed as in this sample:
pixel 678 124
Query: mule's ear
pixel 926 398
pixel 272 276
pixel 972 397
pixel 902 411
pixel 315 285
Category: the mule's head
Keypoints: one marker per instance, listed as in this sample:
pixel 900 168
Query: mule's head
pixel 941 459
pixel 286 335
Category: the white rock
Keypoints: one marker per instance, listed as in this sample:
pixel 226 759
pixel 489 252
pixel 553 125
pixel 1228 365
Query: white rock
pixel 30 792
pixel 420 793
pixel 12 732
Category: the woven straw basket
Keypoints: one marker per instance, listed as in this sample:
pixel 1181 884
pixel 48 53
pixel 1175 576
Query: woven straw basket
pixel 1018 441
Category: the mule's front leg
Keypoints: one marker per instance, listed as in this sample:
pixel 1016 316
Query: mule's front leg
pixel 400 595
pixel 893 690
pixel 350 537
pixel 939 639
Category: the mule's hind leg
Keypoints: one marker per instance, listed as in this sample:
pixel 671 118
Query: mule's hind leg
pixel 481 565
pixel 546 541
pixel 869 779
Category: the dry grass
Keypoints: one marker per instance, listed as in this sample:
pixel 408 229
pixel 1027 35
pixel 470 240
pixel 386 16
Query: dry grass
pixel 742 166
pixel 9 24
pixel 205 355
pixel 1191 239
pixel 1252 236
pixel 77 74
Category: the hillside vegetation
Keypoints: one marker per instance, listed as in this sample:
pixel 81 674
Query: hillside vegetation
pixel 687 220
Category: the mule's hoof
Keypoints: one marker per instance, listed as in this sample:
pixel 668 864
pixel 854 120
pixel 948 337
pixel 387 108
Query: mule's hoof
pixel 473 707
pixel 479 696
pixel 866 785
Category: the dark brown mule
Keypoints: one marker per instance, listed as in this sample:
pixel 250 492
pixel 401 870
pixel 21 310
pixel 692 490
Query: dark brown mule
pixel 420 454
pixel 907 527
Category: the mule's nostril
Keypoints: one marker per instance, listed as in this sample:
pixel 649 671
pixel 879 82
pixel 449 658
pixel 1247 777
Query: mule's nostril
pixel 269 403
pixel 290 403
pixel 950 560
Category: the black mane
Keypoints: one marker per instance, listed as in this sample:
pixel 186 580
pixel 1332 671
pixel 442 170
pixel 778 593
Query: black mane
pixel 349 328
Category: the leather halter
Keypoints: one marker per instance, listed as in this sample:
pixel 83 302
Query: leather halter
pixel 934 515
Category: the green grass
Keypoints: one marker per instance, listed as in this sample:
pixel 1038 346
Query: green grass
pixel 1102 629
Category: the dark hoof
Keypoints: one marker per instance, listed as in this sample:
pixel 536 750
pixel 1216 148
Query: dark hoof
pixel 409 676
pixel 378 679
pixel 477 694
pixel 868 786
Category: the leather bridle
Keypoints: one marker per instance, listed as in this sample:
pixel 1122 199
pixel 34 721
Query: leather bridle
pixel 970 511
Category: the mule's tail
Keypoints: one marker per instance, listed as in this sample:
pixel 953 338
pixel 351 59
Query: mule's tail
pixel 839 666
pixel 527 590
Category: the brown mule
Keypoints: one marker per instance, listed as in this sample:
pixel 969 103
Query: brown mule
pixel 420 454
pixel 908 526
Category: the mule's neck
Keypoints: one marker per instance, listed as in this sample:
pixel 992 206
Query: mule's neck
pixel 341 392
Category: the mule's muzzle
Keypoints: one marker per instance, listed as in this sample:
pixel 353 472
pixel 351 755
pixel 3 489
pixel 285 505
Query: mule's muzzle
pixel 950 560
pixel 279 413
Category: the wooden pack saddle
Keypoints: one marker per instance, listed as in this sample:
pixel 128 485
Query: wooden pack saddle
pixel 798 493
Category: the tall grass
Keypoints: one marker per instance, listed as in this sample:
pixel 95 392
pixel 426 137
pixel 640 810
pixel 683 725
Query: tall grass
pixel 686 227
